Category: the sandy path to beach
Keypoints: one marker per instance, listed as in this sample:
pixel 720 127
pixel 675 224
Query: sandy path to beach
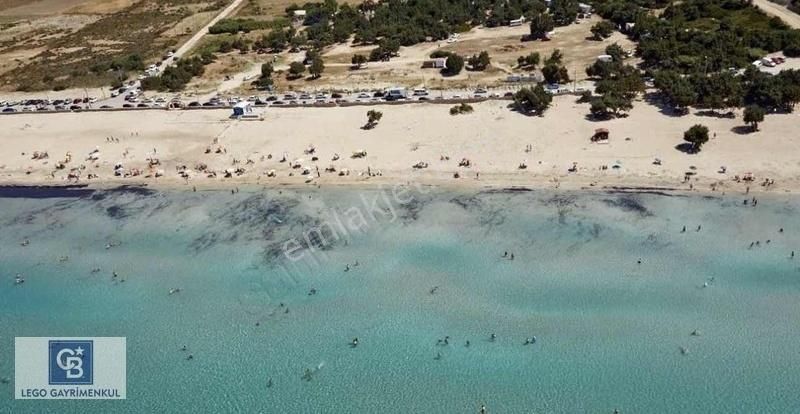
pixel 493 138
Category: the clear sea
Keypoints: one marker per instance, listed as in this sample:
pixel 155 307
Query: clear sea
pixel 607 282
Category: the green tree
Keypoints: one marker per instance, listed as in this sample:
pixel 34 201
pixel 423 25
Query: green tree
pixel 358 61
pixel 754 114
pixel 697 135
pixel 316 67
pixel 556 58
pixel 453 65
pixel 480 61
pixel 296 69
pixel 602 30
pixel 564 11
pixel 616 52
pixel 265 80
pixel 541 24
pixel 373 117
pixel 553 73
pixel 532 100
pixel 529 62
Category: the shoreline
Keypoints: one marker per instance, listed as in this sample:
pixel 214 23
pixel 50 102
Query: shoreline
pixel 26 190
pixel 493 147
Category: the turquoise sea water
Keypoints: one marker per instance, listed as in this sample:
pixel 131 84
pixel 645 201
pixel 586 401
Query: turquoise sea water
pixel 608 329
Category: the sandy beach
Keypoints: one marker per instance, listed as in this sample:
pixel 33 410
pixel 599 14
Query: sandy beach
pixel 205 144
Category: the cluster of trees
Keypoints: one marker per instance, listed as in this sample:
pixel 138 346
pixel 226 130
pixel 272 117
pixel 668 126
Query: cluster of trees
pixel 480 61
pixel 315 66
pixel 175 78
pixel 412 22
pixel 387 49
pixel 725 90
pixel 529 62
pixel 532 100
pixel 617 85
pixel 602 30
pixel 710 36
pixel 554 70
pixel 234 26
pixel 696 50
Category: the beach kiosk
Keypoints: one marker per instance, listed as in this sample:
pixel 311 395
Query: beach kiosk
pixel 241 109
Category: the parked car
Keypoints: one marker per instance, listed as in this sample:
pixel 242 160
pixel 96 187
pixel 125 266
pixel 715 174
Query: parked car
pixel 142 105
pixel 9 110
pixel 193 104
pixel 336 95
pixel 127 105
pixel 106 107
pixel 75 108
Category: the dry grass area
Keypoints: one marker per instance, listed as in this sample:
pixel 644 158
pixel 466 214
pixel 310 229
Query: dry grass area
pixel 54 7
pixel 504 45
pixel 55 44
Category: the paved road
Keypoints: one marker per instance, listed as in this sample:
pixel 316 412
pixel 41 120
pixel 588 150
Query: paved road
pixel 186 47
pixel 791 18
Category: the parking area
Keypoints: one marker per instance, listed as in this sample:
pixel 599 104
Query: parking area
pixel 132 97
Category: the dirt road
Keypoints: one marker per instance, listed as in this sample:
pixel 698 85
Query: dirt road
pixel 791 18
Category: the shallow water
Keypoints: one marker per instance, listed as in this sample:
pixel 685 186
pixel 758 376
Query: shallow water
pixel 608 328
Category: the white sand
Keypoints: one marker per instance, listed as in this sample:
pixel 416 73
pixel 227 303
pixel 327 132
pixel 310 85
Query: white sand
pixel 493 138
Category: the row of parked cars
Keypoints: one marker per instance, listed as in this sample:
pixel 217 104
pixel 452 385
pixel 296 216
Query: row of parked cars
pixel 30 105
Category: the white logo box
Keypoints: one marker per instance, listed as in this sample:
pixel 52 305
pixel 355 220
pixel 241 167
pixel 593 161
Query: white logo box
pixel 107 361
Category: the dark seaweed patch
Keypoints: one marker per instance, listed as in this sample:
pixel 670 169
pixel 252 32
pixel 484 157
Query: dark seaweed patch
pixel 41 192
pixel 629 203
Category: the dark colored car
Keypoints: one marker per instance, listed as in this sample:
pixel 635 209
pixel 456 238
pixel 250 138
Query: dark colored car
pixel 127 105
pixel 106 107
pixel 9 110
pixel 142 105
pixel 508 94
pixel 336 95
pixel 193 104
pixel 277 103
pixel 209 104
pixel 378 94
pixel 272 98
pixel 75 108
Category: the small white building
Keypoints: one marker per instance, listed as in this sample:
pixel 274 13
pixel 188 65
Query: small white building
pixel 241 109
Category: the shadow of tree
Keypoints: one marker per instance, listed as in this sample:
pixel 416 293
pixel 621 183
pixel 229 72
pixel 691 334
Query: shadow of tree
pixel 742 130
